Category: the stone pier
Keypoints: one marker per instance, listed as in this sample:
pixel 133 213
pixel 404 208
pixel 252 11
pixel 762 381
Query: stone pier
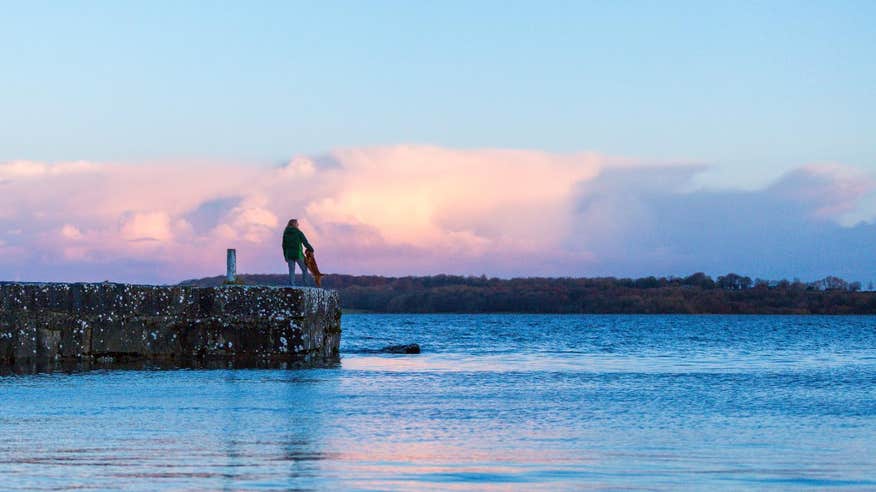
pixel 113 322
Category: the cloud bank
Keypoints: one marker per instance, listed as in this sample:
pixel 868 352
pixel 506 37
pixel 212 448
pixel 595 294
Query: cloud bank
pixel 423 210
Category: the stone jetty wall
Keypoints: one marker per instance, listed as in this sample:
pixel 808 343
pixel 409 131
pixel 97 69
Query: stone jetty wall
pixel 109 321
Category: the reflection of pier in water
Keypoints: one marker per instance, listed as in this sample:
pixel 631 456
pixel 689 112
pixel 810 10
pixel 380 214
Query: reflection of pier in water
pixel 292 448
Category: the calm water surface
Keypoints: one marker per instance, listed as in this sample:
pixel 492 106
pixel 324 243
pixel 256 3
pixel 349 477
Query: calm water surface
pixel 494 402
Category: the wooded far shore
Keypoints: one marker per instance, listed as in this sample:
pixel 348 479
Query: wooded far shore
pixel 693 294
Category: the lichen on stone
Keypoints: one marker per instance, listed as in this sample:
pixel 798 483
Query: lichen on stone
pixel 80 320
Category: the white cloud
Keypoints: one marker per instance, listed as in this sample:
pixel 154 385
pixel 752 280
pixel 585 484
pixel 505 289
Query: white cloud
pixel 71 232
pixel 29 169
pixel 299 167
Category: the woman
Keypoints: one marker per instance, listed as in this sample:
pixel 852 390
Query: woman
pixel 293 240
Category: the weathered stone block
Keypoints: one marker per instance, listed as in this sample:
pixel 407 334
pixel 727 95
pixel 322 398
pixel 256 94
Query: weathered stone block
pixel 25 335
pixel 75 338
pixel 7 345
pixel 86 321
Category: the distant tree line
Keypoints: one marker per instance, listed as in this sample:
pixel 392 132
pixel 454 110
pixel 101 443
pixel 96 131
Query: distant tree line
pixel 694 294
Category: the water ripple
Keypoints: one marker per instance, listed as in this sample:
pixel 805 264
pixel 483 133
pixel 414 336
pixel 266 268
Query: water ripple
pixel 494 402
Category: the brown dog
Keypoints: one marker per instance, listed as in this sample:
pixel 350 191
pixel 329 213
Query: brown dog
pixel 310 261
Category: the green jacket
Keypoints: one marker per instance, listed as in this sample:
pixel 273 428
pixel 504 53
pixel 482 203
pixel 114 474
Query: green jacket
pixel 293 238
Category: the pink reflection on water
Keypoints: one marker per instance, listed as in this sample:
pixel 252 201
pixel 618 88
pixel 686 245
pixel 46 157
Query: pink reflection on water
pixel 584 362
pixel 464 363
pixel 436 465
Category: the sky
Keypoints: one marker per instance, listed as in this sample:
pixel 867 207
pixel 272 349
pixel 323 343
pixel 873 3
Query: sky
pixel 139 140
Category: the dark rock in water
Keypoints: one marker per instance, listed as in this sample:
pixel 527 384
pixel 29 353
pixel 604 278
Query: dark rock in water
pixel 411 348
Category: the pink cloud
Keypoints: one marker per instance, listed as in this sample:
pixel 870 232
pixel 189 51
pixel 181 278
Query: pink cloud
pixel 385 210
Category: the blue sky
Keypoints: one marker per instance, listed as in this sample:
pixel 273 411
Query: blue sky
pixel 753 88
pixel 629 138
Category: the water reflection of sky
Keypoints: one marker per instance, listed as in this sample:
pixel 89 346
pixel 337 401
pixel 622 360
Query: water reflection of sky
pixel 724 362
pixel 550 403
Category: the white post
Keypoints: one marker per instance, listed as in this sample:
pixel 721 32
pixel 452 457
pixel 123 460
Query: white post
pixel 231 266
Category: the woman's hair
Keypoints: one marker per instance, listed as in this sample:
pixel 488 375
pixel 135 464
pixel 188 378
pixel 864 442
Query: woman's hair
pixel 293 223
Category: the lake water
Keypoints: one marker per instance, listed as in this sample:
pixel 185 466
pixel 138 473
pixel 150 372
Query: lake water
pixel 494 402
